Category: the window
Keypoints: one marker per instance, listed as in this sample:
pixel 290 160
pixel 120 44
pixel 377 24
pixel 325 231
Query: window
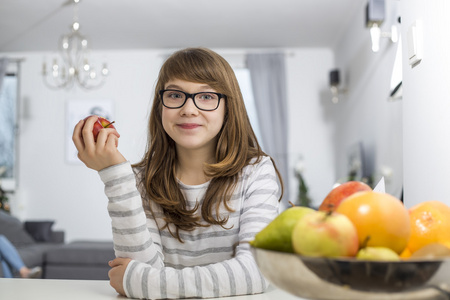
pixel 245 83
pixel 8 96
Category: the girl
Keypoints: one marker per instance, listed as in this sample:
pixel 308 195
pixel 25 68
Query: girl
pixel 182 216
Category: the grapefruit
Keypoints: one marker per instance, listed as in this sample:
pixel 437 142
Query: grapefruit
pixel 380 219
pixel 430 223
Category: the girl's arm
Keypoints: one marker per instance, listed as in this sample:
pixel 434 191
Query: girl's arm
pixel 130 226
pixel 236 276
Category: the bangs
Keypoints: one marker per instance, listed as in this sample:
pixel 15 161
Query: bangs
pixel 194 66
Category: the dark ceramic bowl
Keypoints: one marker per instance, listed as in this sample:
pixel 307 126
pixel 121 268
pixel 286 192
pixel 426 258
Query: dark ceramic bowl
pixel 348 278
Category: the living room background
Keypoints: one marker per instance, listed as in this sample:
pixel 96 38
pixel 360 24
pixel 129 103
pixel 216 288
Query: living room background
pixel 320 131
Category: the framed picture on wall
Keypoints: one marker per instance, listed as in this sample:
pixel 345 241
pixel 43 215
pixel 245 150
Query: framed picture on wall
pixel 80 109
pixel 355 160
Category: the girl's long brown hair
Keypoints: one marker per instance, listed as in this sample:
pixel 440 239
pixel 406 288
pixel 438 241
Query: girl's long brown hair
pixel 236 144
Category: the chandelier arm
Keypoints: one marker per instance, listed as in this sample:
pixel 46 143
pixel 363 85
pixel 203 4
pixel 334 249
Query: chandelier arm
pixel 88 83
pixel 55 86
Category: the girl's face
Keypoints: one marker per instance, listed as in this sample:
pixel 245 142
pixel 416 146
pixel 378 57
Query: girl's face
pixel 190 127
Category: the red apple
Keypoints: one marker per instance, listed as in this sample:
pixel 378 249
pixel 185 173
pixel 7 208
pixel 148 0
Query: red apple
pixel 325 234
pixel 99 125
pixel 339 193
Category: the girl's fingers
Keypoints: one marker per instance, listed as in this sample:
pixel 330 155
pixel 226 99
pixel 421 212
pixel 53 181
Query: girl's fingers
pixel 87 134
pixel 112 141
pixel 117 262
pixel 105 133
pixel 98 154
pixel 77 137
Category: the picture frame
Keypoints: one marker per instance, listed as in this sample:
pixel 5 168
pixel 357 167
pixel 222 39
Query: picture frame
pixel 355 162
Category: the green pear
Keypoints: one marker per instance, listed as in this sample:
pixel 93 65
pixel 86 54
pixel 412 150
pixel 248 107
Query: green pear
pixel 277 235
pixel 377 254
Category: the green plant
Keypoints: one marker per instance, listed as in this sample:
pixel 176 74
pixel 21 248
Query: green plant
pixel 4 204
pixel 303 197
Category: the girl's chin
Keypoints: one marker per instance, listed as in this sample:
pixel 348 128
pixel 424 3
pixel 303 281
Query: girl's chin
pixel 192 145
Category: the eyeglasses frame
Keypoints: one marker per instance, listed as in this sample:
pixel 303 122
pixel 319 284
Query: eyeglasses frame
pixel 192 96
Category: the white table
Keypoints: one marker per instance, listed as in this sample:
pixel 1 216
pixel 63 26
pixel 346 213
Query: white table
pixel 49 289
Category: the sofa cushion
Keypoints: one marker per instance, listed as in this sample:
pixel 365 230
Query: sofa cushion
pixel 34 255
pixel 82 253
pixel 41 231
pixel 80 260
pixel 13 229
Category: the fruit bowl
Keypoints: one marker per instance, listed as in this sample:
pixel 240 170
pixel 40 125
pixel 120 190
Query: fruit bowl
pixel 348 278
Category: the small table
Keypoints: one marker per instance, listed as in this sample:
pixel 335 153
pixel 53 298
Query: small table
pixel 50 289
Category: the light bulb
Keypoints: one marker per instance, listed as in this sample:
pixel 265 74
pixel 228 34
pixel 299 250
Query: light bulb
pixel 375 34
pixel 86 66
pixel 394 34
pixel 65 43
pixel 105 70
pixel 335 94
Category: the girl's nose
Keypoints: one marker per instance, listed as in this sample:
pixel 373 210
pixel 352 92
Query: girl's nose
pixel 189 108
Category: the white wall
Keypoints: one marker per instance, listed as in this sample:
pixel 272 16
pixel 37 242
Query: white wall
pixel 309 130
pixel 410 136
pixel 365 115
pixel 72 195
pixel 49 187
pixel 427 105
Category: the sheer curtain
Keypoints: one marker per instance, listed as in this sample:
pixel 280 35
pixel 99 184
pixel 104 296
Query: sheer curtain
pixel 268 75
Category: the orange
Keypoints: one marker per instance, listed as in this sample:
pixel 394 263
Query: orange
pixel 380 219
pixel 406 253
pixel 430 223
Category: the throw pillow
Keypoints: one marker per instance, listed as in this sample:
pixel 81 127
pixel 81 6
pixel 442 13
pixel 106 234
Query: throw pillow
pixel 41 231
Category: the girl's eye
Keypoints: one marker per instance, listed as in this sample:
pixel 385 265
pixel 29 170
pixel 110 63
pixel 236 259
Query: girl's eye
pixel 175 95
pixel 207 96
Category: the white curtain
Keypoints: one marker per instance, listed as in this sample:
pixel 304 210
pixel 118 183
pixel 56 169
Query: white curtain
pixel 3 66
pixel 268 75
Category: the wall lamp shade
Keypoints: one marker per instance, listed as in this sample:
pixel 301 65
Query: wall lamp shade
pixel 375 12
pixel 334 77
pixel 375 15
pixel 334 82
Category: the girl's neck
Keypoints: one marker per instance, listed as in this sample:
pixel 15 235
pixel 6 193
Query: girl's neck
pixel 190 166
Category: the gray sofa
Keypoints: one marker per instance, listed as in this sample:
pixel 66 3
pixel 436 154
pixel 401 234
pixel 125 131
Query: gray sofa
pixel 39 245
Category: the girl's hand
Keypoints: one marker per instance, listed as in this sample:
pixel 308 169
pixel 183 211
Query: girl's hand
pixel 97 155
pixel 118 267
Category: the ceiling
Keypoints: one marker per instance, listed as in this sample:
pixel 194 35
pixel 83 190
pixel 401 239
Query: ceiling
pixel 36 25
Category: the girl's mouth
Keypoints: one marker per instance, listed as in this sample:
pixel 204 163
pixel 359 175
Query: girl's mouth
pixel 188 125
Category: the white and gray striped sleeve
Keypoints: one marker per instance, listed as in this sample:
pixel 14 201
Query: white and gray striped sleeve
pixel 261 199
pixel 236 276
pixel 130 227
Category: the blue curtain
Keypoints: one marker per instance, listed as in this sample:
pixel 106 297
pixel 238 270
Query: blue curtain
pixel 268 76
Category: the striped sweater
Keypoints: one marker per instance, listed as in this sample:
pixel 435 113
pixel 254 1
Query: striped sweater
pixel 211 261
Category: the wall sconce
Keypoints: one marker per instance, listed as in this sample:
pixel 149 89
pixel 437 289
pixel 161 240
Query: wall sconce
pixel 375 10
pixel 335 81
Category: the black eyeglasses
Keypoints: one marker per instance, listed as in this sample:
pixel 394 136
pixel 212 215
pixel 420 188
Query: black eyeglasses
pixel 204 101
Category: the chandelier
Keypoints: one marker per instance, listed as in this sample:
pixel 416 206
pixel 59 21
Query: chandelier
pixel 73 66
